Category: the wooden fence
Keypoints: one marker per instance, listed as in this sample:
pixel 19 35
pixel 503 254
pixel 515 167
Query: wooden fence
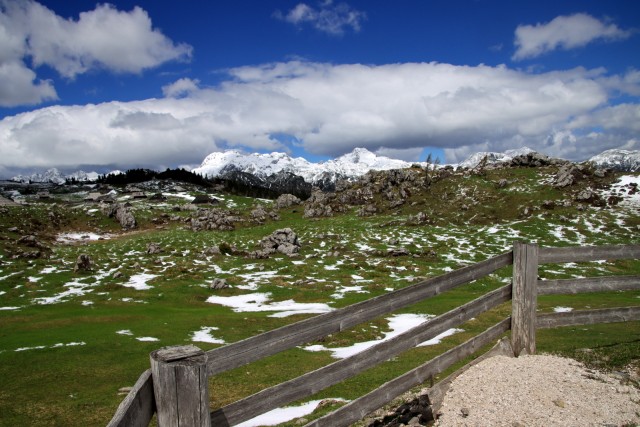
pixel 176 386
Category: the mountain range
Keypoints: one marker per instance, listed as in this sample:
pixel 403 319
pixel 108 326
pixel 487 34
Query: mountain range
pixel 255 169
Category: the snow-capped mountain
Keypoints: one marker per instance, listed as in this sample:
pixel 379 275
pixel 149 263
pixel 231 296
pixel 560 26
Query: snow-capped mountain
pixel 54 176
pixel 492 157
pixel 623 160
pixel 351 165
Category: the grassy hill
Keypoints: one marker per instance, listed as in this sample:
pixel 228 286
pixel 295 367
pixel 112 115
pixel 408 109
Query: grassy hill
pixel 69 340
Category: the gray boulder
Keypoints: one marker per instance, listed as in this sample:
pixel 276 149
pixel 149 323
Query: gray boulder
pixel 121 213
pixel 83 263
pixel 218 284
pixel 286 201
pixel 284 241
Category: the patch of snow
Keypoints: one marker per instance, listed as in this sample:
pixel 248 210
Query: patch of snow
pixel 74 289
pixel 399 324
pixel 340 292
pixel 204 335
pixel 9 308
pixel 124 332
pixel 560 309
pixel 77 237
pixel 282 415
pixel 438 338
pixel 58 345
pixel 147 339
pixel 258 302
pixel 139 281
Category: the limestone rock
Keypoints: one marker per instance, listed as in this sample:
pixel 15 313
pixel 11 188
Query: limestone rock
pixel 121 213
pixel 286 201
pixel 153 248
pixel 83 263
pixel 218 284
pixel 284 241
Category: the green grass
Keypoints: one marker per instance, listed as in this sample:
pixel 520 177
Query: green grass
pixel 77 385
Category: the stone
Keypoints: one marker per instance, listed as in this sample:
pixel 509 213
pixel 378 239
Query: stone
pixel 213 250
pixel 213 219
pixel 284 241
pixel 502 183
pixel 286 201
pixel 218 284
pixel 567 175
pixel 83 263
pixel 122 214
pixel 154 248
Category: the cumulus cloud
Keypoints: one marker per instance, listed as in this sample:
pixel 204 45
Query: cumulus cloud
pixel 104 38
pixel 563 32
pixel 180 88
pixel 329 18
pixel 395 109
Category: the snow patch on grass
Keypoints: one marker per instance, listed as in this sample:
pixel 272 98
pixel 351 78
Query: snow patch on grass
pixel 204 335
pixel 259 302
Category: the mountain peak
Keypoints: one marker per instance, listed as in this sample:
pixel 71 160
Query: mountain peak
pixel 350 165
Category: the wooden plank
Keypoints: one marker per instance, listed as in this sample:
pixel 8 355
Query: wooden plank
pixel 260 346
pixel 181 386
pixel 588 253
pixel 588 317
pixel 359 408
pixel 138 407
pixel 592 284
pixel 312 382
pixel 525 298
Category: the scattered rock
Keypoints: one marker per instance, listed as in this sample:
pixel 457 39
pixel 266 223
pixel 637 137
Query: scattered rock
pixel 286 201
pixel 83 263
pixel 213 250
pixel 284 241
pixel 218 284
pixel 154 248
pixel 31 241
pixel 567 175
pixel 122 213
pixel 213 219
pixel 502 183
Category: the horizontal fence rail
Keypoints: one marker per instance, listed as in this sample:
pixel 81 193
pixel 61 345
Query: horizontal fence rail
pixel 357 409
pixel 313 382
pixel 138 408
pixel 595 284
pixel 260 346
pixel 588 317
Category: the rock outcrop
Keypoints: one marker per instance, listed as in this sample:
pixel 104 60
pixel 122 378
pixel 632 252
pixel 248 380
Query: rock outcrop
pixel 213 219
pixel 121 213
pixel 284 241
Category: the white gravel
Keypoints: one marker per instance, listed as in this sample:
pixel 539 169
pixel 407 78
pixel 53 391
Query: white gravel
pixel 538 391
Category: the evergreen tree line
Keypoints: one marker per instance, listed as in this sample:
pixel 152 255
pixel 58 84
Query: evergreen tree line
pixel 134 176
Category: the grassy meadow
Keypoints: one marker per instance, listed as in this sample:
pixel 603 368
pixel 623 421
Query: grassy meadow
pixel 70 340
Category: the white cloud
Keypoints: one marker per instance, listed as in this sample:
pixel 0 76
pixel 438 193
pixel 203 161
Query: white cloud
pixel 19 86
pixel 180 88
pixel 104 38
pixel 395 109
pixel 563 32
pixel 328 18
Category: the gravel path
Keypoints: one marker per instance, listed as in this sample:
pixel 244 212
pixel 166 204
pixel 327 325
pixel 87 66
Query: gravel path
pixel 538 391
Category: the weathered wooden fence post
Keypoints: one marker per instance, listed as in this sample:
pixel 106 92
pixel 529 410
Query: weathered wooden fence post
pixel 524 298
pixel 180 385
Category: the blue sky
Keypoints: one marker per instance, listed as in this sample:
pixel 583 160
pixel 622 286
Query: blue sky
pixel 162 84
